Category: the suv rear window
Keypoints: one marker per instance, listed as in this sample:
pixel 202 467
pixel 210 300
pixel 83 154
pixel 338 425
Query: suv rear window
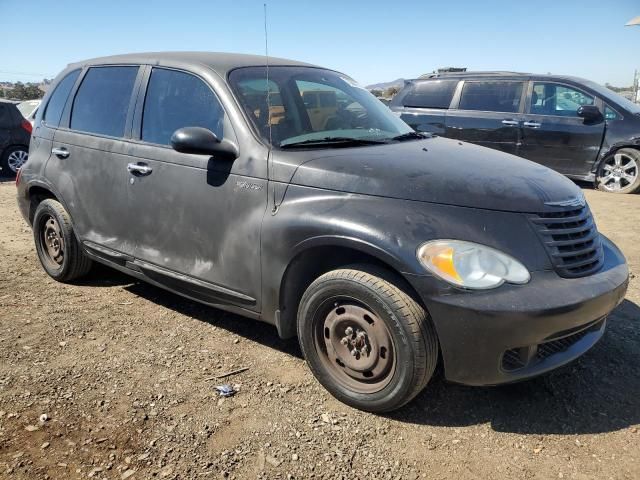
pixel 102 101
pixel 493 96
pixel 5 117
pixel 431 94
pixel 58 99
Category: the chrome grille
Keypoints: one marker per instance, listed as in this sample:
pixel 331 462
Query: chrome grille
pixel 572 240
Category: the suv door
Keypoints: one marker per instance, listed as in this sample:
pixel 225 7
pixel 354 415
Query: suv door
pixel 198 217
pixel 488 114
pixel 554 135
pixel 423 104
pixel 84 164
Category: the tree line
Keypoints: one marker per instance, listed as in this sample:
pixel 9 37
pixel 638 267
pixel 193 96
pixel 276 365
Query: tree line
pixel 22 91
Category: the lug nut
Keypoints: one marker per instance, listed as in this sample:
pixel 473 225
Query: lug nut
pixel 349 331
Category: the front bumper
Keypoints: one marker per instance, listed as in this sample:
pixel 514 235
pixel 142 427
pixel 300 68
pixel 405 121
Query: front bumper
pixel 519 331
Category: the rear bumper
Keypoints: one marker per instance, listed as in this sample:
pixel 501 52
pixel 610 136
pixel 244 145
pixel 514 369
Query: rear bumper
pixel 518 331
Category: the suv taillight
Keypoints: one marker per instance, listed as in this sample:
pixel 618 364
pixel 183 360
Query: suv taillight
pixel 27 126
pixel 18 173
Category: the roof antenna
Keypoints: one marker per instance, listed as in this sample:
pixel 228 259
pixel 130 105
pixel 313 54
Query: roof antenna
pixel 266 54
pixel 274 210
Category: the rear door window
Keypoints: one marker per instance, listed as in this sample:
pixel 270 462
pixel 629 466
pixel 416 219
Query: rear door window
pixel 431 94
pixel 175 100
pixel 102 102
pixel 557 99
pixel 58 99
pixel 491 96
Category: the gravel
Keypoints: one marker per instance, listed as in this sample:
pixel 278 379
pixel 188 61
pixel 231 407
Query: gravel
pixel 111 378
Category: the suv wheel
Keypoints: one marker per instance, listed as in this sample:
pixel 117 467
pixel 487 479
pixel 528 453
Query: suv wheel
pixel 619 172
pixel 58 249
pixel 365 340
pixel 13 158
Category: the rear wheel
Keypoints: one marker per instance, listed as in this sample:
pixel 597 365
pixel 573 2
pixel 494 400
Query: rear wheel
pixel 58 249
pixel 367 342
pixel 12 159
pixel 619 172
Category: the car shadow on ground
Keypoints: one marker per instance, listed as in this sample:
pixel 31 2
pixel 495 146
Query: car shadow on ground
pixel 102 276
pixel 600 392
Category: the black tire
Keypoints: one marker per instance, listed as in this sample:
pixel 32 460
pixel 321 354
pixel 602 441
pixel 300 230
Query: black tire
pixel 9 164
pixel 620 172
pixel 52 226
pixel 413 340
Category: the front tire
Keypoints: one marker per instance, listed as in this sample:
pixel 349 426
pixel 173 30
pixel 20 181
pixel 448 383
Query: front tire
pixel 58 249
pixel 366 341
pixel 619 173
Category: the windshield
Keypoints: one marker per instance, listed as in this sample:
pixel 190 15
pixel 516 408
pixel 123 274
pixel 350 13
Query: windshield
pixel 309 106
pixel 27 108
pixel 615 97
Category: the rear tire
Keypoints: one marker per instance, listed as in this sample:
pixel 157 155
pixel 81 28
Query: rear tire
pixel 58 249
pixel 620 172
pixel 12 159
pixel 367 342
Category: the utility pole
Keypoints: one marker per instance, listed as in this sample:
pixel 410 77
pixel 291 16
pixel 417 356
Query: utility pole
pixel 636 78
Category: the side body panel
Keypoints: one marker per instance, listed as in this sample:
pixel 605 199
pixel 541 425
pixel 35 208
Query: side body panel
pixel 387 229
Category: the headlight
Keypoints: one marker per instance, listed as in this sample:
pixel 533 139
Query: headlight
pixel 470 265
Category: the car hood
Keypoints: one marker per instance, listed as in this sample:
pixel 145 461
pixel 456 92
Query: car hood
pixel 439 170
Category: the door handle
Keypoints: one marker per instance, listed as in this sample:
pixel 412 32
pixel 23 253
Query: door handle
pixel 139 169
pixel 510 123
pixel 60 152
pixel 532 124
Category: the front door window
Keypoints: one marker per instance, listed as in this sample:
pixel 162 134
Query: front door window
pixel 556 99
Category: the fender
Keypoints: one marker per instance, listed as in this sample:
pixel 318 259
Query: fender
pixel 633 142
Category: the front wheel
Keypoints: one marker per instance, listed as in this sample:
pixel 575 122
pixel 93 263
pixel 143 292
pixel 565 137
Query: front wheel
pixel 619 172
pixel 368 343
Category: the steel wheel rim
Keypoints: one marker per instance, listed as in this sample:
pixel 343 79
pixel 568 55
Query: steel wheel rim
pixel 17 159
pixel 619 171
pixel 52 241
pixel 354 345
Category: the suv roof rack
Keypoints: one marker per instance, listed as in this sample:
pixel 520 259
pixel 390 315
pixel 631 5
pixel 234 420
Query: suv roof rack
pixel 487 73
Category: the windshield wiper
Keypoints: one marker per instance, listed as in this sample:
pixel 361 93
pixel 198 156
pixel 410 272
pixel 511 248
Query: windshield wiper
pixel 333 141
pixel 411 136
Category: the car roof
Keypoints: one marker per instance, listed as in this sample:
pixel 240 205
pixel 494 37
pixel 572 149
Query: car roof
pixel 221 63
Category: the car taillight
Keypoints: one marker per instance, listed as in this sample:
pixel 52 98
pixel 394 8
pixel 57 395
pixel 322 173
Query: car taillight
pixel 18 174
pixel 27 126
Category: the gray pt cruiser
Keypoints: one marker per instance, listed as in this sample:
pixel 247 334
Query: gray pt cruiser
pixel 288 194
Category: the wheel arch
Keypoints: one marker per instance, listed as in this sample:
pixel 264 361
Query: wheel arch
pixel 320 255
pixel 632 143
pixel 36 194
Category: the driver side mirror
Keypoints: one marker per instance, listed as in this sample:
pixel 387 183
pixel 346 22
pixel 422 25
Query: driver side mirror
pixel 202 141
pixel 590 113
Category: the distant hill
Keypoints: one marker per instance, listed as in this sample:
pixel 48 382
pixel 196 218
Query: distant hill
pixel 384 85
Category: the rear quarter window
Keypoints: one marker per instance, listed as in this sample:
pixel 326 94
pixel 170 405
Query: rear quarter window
pixel 58 99
pixel 102 101
pixel 430 94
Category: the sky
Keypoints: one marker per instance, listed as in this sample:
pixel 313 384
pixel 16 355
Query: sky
pixel 372 41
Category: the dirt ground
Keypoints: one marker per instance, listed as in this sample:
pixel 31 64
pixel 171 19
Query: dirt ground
pixel 125 374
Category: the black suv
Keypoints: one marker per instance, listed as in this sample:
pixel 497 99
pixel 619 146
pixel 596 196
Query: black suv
pixel 290 195
pixel 574 126
pixel 15 132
